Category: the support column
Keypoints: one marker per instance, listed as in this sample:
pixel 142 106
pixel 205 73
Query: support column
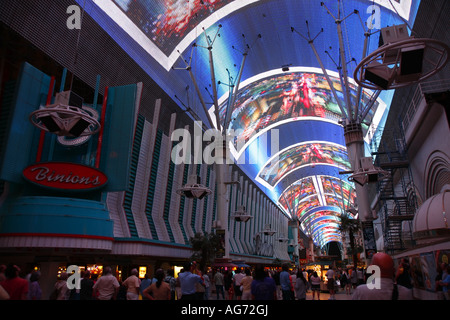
pixel 49 275
pixel 311 249
pixel 355 147
pixel 222 207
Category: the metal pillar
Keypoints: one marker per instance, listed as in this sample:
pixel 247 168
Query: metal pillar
pixel 355 147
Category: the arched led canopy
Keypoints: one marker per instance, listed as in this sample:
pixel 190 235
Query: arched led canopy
pixel 322 226
pixel 297 156
pixel 271 99
pixel 298 102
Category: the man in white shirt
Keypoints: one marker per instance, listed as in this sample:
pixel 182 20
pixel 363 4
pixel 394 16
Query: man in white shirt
pixel 387 289
pixel 106 286
pixel 237 278
pixel 330 283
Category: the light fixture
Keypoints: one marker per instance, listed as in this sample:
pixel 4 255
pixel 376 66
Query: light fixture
pixel 240 215
pixel 66 117
pixel 399 61
pixel 194 189
pixel 268 230
pixel 283 239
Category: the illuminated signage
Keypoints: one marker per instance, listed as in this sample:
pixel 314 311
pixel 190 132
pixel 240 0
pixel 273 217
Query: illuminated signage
pixel 142 272
pixel 65 176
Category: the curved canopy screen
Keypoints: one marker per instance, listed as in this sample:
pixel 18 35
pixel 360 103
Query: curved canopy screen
pixel 289 96
pixel 301 155
pixel 283 88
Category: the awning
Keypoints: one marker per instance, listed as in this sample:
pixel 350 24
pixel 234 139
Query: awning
pixel 224 265
pixel 241 264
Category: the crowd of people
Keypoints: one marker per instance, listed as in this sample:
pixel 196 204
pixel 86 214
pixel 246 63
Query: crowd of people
pixel 222 284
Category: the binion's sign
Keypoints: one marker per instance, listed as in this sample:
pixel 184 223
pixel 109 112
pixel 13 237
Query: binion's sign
pixel 65 176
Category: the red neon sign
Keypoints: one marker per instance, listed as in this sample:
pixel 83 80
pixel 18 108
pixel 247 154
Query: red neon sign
pixel 65 176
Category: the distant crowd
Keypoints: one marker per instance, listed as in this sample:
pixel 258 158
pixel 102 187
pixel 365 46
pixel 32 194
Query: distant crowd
pixel 222 284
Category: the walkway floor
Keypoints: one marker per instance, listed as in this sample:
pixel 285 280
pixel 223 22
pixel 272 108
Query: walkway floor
pixel 341 295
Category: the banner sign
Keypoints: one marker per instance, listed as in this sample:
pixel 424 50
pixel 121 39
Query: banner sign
pixel 65 176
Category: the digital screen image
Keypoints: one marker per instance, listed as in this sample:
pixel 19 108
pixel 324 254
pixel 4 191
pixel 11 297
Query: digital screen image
pixel 295 193
pixel 167 22
pixel 306 205
pixel 338 188
pixel 325 224
pixel 344 204
pixel 288 96
pixel 301 155
pixel 322 225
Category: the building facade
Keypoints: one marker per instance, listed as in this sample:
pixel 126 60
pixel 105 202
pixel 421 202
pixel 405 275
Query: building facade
pixel 135 219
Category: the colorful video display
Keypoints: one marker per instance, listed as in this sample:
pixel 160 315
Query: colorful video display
pixel 294 194
pixel 286 96
pixel 167 22
pixel 322 225
pixel 306 205
pixel 303 155
pixel 338 187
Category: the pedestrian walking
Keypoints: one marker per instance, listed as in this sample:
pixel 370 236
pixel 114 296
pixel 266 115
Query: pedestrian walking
pixel 34 288
pixel 107 286
pixel 285 282
pixel 388 290
pixel 207 283
pixel 354 278
pixel 246 285
pixel 132 283
pixel 86 286
pixel 331 283
pixel 145 284
pixel 15 286
pixel 445 284
pixel 345 282
pixel 61 289
pixel 315 285
pixel 170 279
pixel 219 283
pixel 158 290
pixel 300 286
pixel 237 279
pixel 263 286
pixel 187 281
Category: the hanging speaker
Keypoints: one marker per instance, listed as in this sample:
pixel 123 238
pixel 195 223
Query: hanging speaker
pixel 379 75
pixel 79 127
pixel 412 60
pixel 50 123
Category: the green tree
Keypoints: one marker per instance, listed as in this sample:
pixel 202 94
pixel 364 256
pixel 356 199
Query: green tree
pixel 205 247
pixel 350 226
